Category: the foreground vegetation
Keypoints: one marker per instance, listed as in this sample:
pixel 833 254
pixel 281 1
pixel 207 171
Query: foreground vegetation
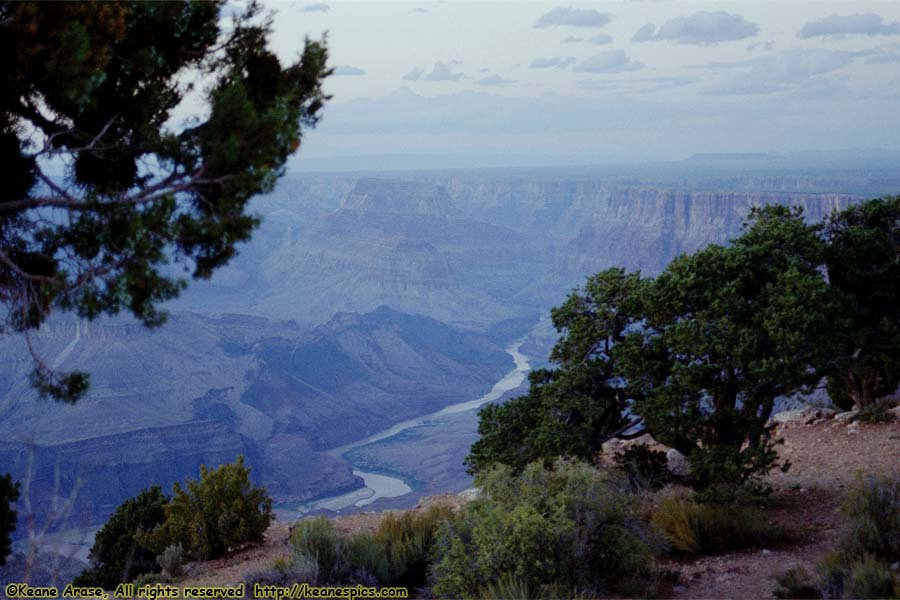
pixel 204 519
pixel 866 561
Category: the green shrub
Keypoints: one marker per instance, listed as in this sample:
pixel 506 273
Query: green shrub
pixel 118 554
pixel 367 558
pixel 317 538
pixel 548 531
pixel 694 528
pixel 873 509
pixel 796 583
pixel 407 543
pixel 877 412
pixel 645 468
pixel 871 578
pixel 833 573
pixel 172 560
pixel 299 568
pixel 507 587
pixel 220 512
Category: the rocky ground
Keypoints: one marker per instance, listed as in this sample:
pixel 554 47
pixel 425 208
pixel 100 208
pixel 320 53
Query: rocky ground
pixel 827 456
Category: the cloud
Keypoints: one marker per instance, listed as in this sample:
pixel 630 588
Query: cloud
pixel 414 74
pixel 494 80
pixel 556 62
pixel 636 86
pixel 440 72
pixel 701 28
pixel 765 46
pixel 315 7
pixel 599 40
pixel 884 57
pixel 341 70
pixel 614 61
pixel 419 10
pixel 573 17
pixel 837 26
pixel 786 70
pixel 644 34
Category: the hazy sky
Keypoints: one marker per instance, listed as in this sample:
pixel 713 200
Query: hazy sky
pixel 601 80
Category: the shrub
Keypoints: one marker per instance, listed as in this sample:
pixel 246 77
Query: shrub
pixel 547 531
pixel 796 583
pixel 871 578
pixel 268 576
pixel 833 572
pixel 877 412
pixel 172 560
pixel 695 528
pixel 873 509
pixel 318 539
pixel 644 467
pixel 118 554
pixel 367 558
pixel 151 579
pixel 220 512
pixel 407 541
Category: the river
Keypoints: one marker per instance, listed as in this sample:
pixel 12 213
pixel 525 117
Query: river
pixel 376 485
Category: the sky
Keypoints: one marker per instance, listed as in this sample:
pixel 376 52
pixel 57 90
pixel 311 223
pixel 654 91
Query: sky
pixel 580 82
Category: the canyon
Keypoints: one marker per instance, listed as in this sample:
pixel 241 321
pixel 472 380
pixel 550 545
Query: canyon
pixel 363 300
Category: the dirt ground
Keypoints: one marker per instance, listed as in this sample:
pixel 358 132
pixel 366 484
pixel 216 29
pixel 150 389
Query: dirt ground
pixel 826 459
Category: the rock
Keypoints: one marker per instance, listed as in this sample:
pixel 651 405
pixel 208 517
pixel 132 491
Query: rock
pixel 895 566
pixel 895 411
pixel 677 463
pixel 845 416
pixel 806 415
pixel 766 552
pixel 470 494
pixel 853 428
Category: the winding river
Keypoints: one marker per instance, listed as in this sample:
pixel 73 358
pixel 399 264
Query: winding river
pixel 377 486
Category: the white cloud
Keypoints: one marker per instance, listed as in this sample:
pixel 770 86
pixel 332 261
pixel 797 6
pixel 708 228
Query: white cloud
pixel 556 62
pixel 573 17
pixel 614 61
pixel 700 28
pixel 598 40
pixel 786 70
pixel 494 80
pixel 315 7
pixel 342 70
pixel 440 72
pixel 837 26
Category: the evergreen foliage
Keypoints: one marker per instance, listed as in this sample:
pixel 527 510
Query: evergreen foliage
pixel 117 555
pixel 219 512
pixel 863 262
pixel 90 89
pixel 698 353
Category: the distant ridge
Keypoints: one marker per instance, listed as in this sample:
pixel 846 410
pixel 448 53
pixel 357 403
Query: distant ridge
pixel 730 156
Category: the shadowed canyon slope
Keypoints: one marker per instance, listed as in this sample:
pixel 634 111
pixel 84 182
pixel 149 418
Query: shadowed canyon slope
pixel 202 390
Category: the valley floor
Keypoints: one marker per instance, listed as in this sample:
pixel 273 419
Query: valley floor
pixel 827 457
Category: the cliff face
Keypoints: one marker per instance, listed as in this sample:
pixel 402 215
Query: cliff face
pixel 477 249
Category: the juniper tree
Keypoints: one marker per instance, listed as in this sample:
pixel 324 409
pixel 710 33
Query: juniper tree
pixel 104 186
